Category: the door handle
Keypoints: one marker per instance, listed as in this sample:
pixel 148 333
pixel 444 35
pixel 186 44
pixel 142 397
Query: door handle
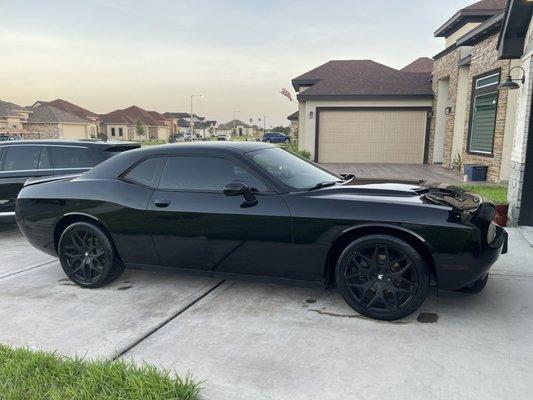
pixel 162 203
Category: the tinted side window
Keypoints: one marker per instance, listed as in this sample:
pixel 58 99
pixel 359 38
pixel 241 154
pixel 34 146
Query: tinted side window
pixel 147 172
pixel 205 173
pixel 72 157
pixel 22 158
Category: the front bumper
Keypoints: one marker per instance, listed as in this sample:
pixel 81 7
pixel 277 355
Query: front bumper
pixel 459 270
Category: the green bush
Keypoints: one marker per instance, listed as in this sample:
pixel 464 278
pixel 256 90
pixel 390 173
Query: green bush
pixel 294 148
pixel 153 142
pixel 32 375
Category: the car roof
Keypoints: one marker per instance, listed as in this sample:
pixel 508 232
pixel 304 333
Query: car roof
pixel 85 142
pixel 119 163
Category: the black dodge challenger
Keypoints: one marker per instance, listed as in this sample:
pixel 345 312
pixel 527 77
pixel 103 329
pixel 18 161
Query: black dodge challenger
pixel 242 209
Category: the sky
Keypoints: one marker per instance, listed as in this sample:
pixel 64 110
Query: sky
pixel 108 55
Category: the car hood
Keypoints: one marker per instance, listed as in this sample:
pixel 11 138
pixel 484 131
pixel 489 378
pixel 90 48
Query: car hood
pixel 404 192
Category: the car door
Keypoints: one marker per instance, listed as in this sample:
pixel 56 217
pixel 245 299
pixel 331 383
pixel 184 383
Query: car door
pixel 198 227
pixel 18 163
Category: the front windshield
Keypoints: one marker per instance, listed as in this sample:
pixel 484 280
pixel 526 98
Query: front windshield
pixel 292 170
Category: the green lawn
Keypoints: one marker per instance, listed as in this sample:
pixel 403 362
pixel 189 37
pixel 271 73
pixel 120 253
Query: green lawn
pixel 29 375
pixel 496 193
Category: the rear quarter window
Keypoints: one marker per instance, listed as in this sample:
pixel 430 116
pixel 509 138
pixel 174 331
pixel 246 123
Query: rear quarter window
pixel 147 172
pixel 21 158
pixel 72 157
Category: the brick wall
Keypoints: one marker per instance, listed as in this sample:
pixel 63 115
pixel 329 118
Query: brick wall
pixel 41 131
pixel 484 58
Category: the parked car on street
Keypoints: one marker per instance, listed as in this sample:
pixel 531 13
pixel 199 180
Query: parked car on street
pixel 276 137
pixel 180 137
pixel 254 209
pixel 24 159
pixel 223 136
pixel 4 137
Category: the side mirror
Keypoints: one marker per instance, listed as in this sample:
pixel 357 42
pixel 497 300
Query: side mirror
pixel 238 188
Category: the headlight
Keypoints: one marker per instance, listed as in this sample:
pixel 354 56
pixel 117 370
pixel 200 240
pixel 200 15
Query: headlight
pixel 491 233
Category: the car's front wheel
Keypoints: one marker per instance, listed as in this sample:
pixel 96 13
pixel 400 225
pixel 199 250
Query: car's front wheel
pixel 382 277
pixel 88 256
pixel 287 141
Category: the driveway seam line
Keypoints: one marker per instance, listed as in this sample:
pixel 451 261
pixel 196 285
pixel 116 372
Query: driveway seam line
pixel 163 323
pixel 27 269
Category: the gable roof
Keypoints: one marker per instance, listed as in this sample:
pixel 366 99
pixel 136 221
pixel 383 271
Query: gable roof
pixel 477 12
pixel 179 115
pixel 420 65
pixel 45 114
pixel 131 115
pixel 361 78
pixel 8 109
pixel 229 125
pixel 69 107
pixel 294 116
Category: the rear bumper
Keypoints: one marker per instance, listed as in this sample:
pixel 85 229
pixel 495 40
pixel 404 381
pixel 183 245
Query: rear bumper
pixel 460 270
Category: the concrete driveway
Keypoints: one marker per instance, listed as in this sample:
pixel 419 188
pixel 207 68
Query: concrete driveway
pixel 251 340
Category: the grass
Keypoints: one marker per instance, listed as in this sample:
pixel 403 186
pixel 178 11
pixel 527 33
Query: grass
pixel 29 375
pixel 153 142
pixel 496 193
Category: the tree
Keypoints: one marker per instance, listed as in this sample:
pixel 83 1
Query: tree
pixel 283 129
pixel 139 128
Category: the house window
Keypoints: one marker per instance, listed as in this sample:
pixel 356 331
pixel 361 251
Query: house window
pixel 483 114
pixel 120 132
pixel 113 132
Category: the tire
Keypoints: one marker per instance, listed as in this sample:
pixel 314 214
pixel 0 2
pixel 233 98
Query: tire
pixel 87 256
pixel 477 286
pixel 382 277
pixel 287 141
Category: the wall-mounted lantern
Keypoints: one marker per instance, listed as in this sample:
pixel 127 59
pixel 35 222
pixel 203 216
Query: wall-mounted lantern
pixel 311 114
pixel 448 110
pixel 510 83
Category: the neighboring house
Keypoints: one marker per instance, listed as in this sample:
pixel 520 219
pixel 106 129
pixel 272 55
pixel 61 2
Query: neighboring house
pixel 122 124
pixel 12 117
pixel 364 112
pixel 473 122
pixel 516 43
pixel 236 127
pixel 293 118
pixel 180 123
pixel 75 110
pixel 47 122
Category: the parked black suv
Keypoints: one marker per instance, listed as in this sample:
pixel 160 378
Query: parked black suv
pixel 24 159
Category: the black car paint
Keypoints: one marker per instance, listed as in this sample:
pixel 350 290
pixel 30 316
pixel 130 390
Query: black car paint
pixel 11 182
pixel 286 235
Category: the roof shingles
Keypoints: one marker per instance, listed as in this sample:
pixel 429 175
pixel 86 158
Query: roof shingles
pixel 362 78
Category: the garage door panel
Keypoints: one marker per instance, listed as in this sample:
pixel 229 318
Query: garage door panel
pixel 386 136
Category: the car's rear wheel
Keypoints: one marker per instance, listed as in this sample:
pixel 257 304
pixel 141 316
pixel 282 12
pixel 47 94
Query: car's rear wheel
pixel 88 256
pixel 267 140
pixel 382 277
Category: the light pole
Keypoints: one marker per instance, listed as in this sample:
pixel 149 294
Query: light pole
pixel 191 123
pixel 234 112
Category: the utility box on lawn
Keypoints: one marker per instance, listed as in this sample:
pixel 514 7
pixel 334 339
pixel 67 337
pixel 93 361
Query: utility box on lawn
pixel 476 173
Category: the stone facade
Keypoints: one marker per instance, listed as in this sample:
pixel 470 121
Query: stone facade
pixel 41 131
pixel 484 58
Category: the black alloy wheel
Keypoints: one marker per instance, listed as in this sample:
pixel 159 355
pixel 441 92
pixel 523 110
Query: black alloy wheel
pixel 382 277
pixel 87 256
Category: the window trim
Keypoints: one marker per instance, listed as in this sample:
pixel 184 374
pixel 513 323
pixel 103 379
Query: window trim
pixel 476 87
pixel 474 94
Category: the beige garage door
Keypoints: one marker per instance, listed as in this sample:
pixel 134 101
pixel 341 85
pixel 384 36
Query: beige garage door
pixel 74 131
pixel 382 136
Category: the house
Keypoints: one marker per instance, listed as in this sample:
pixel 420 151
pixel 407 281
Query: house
pixel 362 111
pixel 180 123
pixel 11 117
pixel 473 122
pixel 516 43
pixel 134 123
pixel 293 118
pixel 75 110
pixel 236 127
pixel 48 122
